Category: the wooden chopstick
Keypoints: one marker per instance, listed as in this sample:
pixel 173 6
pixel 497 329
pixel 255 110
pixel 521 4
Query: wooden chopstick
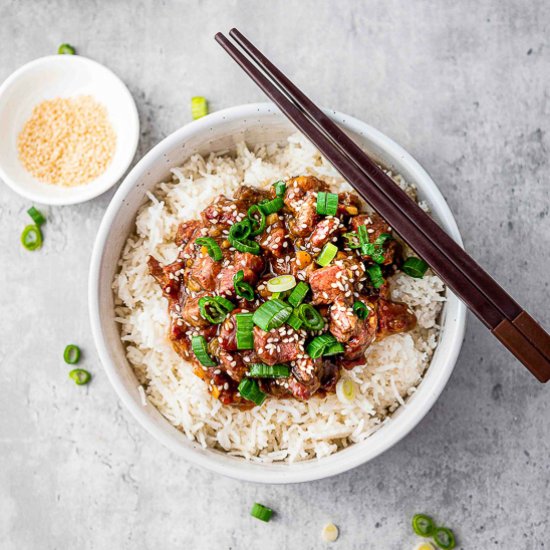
pixel 478 302
pixel 447 246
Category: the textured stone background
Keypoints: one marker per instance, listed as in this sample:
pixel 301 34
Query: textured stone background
pixel 464 87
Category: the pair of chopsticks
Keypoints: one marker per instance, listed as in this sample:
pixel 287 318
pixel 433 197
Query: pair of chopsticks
pixel 504 317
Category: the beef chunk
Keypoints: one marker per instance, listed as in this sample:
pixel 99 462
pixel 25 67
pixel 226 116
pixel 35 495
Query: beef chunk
pixel 329 284
pixel 279 345
pixel 394 317
pixel 190 313
pixel 251 265
pixel 324 232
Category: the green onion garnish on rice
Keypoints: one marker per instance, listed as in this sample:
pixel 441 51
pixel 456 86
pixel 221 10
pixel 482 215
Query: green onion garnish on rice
pixel 415 267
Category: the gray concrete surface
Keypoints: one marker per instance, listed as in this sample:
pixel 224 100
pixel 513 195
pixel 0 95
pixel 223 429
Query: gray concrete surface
pixel 464 87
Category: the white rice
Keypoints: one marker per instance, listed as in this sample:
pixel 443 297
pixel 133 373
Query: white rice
pixel 281 429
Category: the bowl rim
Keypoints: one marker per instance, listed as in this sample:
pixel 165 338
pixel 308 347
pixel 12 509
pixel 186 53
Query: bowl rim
pixel 87 191
pixel 301 471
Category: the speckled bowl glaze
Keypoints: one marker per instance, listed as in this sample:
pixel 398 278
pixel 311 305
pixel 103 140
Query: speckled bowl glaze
pixel 256 123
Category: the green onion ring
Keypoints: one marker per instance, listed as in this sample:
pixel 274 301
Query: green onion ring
pixel 257 223
pixel 310 317
pixel 80 376
pixel 71 354
pixel 423 525
pixel 212 247
pixel 361 309
pixel 31 238
pixel 242 288
pixel 444 538
pixel 198 344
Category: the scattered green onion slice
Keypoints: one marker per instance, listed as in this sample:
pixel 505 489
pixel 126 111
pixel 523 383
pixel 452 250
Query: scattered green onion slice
pixel 245 327
pixel 352 240
pixel 259 511
pixel 214 309
pixel 238 237
pixel 298 294
pixel 71 355
pixel 361 309
pixel 327 203
pixel 444 538
pixel 423 525
pixel 281 283
pixel 257 220
pixel 36 215
pixel 31 238
pixel 280 188
pixel 415 267
pixel 327 254
pixel 331 207
pixel 80 376
pixel 272 314
pixel 212 247
pixel 363 238
pixel 321 344
pixel 334 349
pixel 242 288
pixel 271 206
pixel 294 321
pixel 259 370
pixel 275 295
pixel 375 274
pixel 66 49
pixel 310 317
pixel 240 230
pixel 250 390
pixel 198 344
pixel 199 107
pixel 346 390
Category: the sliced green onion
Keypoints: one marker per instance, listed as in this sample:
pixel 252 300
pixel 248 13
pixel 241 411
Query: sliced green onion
pixel 214 309
pixel 423 525
pixel 66 49
pixel 246 246
pixel 444 538
pixel 212 247
pixel 361 309
pixel 198 344
pixel 259 511
pixel 259 370
pixel 71 355
pixel 334 349
pixel 375 274
pixel 272 314
pixel 257 220
pixel 199 107
pixel 320 345
pixel 275 295
pixel 238 237
pixel 245 327
pixel 321 203
pixel 310 317
pixel 240 231
pixel 327 254
pixel 298 294
pixel 346 390
pixel 280 188
pixel 271 206
pixel 36 215
pixel 294 321
pixel 31 238
pixel 250 390
pixel 282 283
pixel 327 203
pixel 80 376
pixel 352 240
pixel 363 238
pixel 415 267
pixel 331 207
pixel 377 253
pixel 242 288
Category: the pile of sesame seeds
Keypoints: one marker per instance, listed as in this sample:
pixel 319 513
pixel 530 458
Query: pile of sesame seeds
pixel 67 141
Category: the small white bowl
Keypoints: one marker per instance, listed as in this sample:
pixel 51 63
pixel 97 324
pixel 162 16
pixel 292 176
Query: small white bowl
pixel 64 76
pixel 221 131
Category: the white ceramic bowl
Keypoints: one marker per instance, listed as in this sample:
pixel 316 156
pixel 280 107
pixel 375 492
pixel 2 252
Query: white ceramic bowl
pixel 258 123
pixel 64 76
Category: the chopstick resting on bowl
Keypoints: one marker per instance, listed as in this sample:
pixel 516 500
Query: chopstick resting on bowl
pixel 506 319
